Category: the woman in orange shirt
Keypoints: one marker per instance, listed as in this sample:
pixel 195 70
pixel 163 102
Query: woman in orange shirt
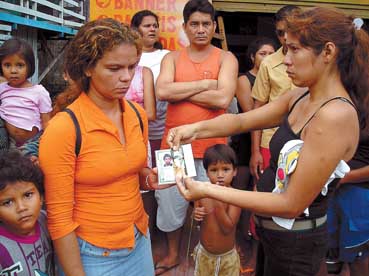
pixel 96 216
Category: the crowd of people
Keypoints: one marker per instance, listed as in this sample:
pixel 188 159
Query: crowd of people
pixel 78 190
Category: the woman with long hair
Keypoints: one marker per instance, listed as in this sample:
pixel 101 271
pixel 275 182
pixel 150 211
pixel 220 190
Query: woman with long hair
pixel 95 161
pixel 318 131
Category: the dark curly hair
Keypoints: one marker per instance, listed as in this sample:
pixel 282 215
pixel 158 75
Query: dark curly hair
pixel 15 167
pixel 92 41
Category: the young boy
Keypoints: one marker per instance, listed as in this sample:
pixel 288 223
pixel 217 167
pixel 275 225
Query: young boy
pixel 25 245
pixel 216 253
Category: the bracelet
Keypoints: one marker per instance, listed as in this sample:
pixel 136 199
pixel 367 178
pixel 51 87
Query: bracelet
pixel 147 182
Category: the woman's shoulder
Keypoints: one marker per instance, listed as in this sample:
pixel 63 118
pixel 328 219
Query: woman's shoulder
pixel 60 124
pixel 138 107
pixel 347 111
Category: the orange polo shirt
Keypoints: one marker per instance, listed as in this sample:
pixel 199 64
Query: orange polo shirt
pixel 97 195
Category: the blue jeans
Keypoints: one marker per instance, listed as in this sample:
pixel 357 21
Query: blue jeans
pixel 99 261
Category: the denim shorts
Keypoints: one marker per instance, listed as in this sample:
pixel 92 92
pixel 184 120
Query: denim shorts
pixel 99 261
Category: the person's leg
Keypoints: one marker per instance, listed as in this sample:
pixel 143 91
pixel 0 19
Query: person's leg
pixel 353 208
pixel 172 258
pixel 4 139
pixel 230 264
pixel 205 263
pixel 171 215
pixel 172 210
pixel 293 253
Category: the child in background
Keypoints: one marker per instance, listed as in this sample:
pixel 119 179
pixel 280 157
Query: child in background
pixel 24 107
pixel 216 253
pixel 25 244
pixel 141 91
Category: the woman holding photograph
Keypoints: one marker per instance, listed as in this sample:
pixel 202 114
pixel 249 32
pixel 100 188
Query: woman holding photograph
pixel 328 54
pixel 95 212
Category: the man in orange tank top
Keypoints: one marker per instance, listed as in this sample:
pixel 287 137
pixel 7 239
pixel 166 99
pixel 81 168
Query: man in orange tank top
pixel 199 83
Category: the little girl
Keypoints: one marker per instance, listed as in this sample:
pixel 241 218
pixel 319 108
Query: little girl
pixel 24 107
pixel 142 92
pixel 25 244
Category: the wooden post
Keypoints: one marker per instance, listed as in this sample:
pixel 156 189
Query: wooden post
pixel 223 39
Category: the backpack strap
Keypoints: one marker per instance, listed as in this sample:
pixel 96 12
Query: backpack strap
pixel 78 131
pixel 137 113
pixel 78 128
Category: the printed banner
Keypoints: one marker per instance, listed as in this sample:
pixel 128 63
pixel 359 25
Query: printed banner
pixel 172 36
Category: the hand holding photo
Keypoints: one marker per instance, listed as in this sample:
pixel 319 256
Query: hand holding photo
pixel 170 162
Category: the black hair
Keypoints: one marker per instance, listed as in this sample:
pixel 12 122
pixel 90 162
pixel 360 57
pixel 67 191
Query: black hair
pixel 286 11
pixel 257 43
pixel 139 16
pixel 203 6
pixel 137 20
pixel 18 46
pixel 219 153
pixel 167 155
pixel 15 167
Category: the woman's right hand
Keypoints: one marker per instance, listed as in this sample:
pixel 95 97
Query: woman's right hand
pixel 181 135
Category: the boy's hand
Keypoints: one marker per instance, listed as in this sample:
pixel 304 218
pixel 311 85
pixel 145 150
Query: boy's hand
pixel 199 213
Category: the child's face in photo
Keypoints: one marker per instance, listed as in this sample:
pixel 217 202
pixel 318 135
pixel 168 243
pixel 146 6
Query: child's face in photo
pixel 168 160
pixel 20 205
pixel 221 173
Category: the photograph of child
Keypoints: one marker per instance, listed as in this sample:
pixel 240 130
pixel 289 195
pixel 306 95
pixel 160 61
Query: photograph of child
pixel 164 161
pixel 170 162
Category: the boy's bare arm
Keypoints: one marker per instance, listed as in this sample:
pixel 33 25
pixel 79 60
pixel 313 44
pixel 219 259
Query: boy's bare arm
pixel 227 216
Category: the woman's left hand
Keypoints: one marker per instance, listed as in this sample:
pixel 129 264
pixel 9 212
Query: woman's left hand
pixel 153 181
pixel 189 188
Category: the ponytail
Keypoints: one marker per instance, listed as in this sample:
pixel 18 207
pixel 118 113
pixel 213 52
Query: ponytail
pixel 355 73
pixel 315 27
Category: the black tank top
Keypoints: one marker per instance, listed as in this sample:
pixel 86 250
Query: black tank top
pixel 318 208
pixel 251 79
pixel 241 143
pixel 361 157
